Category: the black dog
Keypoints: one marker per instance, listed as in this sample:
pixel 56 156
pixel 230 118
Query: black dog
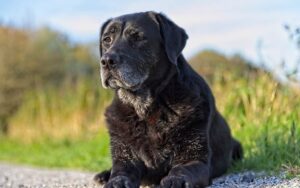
pixel 163 123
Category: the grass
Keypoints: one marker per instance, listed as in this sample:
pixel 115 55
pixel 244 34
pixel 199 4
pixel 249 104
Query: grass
pixel 68 112
pixel 89 154
pixel 64 128
pixel 264 116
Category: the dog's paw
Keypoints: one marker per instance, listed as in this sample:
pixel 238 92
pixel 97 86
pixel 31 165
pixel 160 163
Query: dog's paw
pixel 102 177
pixel 175 182
pixel 120 182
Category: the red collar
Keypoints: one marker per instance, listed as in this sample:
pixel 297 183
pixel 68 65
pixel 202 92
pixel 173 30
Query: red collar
pixel 153 117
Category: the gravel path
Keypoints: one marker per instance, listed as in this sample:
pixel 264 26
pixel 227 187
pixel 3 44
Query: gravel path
pixel 13 176
pixel 252 179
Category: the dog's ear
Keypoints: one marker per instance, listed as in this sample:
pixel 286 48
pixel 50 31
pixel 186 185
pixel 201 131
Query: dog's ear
pixel 101 33
pixel 174 37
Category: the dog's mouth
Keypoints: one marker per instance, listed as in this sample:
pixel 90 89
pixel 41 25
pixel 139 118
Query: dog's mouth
pixel 128 80
pixel 115 83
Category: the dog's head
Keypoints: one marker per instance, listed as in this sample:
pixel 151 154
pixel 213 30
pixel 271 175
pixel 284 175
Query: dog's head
pixel 135 48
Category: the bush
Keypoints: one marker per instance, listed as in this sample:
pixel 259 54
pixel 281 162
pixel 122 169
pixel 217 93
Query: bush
pixel 30 60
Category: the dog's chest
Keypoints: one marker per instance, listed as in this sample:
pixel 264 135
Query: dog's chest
pixel 155 139
pixel 153 146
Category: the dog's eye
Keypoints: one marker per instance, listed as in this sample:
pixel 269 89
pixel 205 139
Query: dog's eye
pixel 107 40
pixel 136 36
pixel 113 30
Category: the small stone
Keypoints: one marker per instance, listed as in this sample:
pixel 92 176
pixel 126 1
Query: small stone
pixel 248 178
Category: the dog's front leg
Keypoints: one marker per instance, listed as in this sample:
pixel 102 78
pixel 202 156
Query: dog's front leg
pixel 126 170
pixel 189 175
pixel 124 175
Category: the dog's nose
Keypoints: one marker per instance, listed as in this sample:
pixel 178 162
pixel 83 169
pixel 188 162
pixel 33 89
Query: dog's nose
pixel 108 61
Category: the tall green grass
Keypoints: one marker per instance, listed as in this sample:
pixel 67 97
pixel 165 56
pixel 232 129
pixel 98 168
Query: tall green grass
pixel 70 111
pixel 265 117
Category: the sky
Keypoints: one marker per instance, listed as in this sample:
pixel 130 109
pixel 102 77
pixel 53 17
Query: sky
pixel 227 26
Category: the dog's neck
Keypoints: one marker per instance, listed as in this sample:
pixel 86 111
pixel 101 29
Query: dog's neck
pixel 142 100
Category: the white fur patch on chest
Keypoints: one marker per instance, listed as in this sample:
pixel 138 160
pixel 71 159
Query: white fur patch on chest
pixel 141 102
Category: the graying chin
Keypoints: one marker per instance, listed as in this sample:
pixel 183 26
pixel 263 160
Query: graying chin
pixel 117 83
pixel 135 83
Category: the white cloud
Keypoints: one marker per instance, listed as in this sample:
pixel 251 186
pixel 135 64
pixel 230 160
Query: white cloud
pixel 86 27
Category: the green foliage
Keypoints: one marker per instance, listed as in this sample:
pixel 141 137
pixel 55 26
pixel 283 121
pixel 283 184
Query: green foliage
pixel 31 60
pixel 213 65
pixel 14 45
pixel 69 111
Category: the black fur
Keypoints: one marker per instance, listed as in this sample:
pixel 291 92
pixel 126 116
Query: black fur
pixel 180 139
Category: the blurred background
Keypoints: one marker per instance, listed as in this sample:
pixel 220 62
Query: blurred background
pixel 52 102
